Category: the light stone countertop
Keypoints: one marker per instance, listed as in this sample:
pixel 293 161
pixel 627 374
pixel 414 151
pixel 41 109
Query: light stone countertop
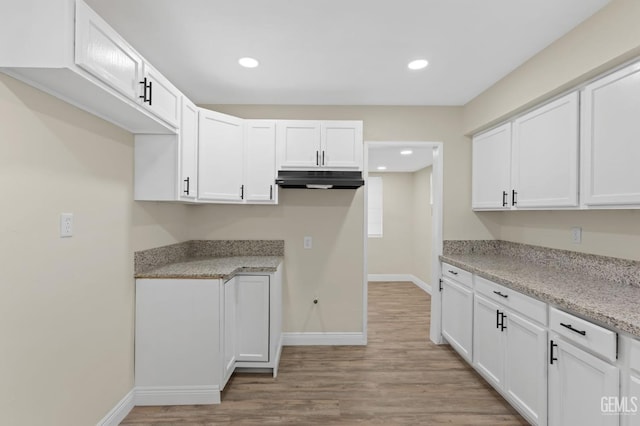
pixel 609 303
pixel 213 267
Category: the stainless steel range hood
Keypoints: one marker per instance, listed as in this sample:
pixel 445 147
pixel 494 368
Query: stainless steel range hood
pixel 316 179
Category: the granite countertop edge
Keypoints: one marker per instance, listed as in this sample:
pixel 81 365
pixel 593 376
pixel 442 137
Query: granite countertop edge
pixel 213 267
pixel 554 297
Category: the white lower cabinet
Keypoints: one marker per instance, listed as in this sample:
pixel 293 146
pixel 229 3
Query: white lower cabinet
pixel 229 329
pixel 253 318
pixel 580 386
pixel 192 334
pixel 457 317
pixel 509 351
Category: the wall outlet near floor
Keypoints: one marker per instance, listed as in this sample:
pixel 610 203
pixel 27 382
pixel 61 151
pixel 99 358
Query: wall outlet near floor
pixel 308 242
pixel 66 225
pixel 576 235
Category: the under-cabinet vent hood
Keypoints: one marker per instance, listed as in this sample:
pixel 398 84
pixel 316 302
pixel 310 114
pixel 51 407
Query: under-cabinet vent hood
pixel 316 179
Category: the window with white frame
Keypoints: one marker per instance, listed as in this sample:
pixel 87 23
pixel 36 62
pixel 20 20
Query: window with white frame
pixel 374 196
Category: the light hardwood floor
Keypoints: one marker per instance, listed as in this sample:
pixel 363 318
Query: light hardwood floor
pixel 399 378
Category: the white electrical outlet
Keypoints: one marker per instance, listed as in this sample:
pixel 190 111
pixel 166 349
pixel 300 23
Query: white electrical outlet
pixel 576 235
pixel 66 225
pixel 308 242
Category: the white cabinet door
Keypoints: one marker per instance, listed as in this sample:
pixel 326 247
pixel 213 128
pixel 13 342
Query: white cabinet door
pixel 341 145
pixel 491 173
pixel 188 150
pixel 220 144
pixel 545 156
pixel 488 341
pixel 260 161
pixel 298 144
pixel 229 348
pixel 577 383
pixel 457 317
pixel 160 96
pixel 178 334
pixel 253 318
pixel 526 367
pixel 633 401
pixel 610 148
pixel 103 53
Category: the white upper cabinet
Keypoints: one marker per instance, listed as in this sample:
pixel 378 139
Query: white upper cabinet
pixel 159 95
pixel 101 51
pixel 220 160
pixel 545 156
pixel 330 145
pixel 610 140
pixel 260 161
pixel 70 52
pixel 188 151
pixel 491 169
pixel 341 145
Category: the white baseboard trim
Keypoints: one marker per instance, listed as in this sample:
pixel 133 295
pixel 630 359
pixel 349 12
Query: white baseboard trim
pixel 400 277
pixel 324 339
pixel 177 395
pixel 120 411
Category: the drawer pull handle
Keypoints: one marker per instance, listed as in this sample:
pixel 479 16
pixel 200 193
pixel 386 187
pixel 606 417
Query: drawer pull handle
pixel 500 294
pixel 582 332
pixel 551 357
pixel 453 272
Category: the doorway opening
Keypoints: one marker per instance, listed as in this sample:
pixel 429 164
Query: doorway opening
pixel 403 218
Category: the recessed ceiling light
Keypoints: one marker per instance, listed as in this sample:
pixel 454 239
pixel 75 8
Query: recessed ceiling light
pixel 382 167
pixel 406 152
pixel 418 64
pixel 248 62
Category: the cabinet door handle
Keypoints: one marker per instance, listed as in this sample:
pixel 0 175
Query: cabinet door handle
pixel 440 285
pixel 323 158
pixel 453 272
pixel 271 192
pixel 497 318
pixel 504 198
pixel 150 92
pixel 551 357
pixel 317 158
pixel 501 294
pixel 514 199
pixel 186 191
pixel 242 192
pixel 502 318
pixel 146 86
pixel 570 327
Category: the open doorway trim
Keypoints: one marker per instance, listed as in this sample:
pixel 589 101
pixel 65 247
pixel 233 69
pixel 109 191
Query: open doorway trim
pixel 436 231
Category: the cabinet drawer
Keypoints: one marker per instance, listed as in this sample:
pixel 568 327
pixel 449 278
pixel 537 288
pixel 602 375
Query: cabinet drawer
pixel 518 302
pixel 455 273
pixel 592 337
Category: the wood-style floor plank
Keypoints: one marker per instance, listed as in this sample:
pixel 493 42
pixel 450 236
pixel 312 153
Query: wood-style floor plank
pixel 399 378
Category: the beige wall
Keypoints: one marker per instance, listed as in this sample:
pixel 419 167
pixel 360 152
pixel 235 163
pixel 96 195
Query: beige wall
pixel 393 253
pixel 608 38
pixel 422 225
pixel 67 304
pixel 405 247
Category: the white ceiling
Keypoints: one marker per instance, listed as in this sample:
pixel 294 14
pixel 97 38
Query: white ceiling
pixel 340 52
pixel 388 154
